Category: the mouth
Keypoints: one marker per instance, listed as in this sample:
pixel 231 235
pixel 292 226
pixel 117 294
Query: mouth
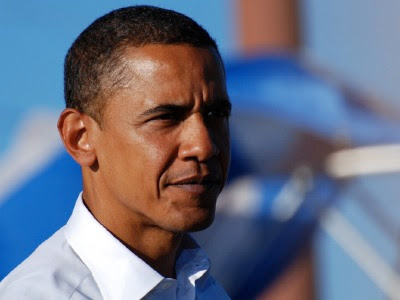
pixel 198 184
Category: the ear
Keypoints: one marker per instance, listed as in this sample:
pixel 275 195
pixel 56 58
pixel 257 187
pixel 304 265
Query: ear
pixel 75 131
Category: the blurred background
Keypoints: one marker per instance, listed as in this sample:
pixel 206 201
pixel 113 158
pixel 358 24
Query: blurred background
pixel 311 207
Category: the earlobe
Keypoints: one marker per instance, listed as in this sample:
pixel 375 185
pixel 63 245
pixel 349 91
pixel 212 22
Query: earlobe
pixel 75 133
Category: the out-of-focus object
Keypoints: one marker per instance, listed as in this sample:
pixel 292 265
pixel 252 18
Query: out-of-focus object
pixel 267 24
pixel 364 161
pixel 362 253
pixel 286 131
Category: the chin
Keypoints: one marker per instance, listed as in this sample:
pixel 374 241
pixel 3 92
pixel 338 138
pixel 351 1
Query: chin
pixel 201 225
pixel 193 221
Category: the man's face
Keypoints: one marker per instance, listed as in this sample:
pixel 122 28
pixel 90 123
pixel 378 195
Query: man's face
pixel 163 151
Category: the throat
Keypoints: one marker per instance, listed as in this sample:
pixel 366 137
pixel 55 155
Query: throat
pixel 159 251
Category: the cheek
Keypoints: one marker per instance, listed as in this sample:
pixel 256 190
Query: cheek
pixel 159 150
pixel 144 158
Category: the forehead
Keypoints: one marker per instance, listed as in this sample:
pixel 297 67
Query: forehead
pixel 163 73
pixel 157 61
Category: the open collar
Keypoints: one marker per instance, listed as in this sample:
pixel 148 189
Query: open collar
pixel 119 273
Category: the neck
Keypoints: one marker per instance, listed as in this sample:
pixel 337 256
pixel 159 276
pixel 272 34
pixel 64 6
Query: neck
pixel 158 249
pixel 154 245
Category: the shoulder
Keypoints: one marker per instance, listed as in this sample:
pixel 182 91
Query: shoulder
pixel 52 271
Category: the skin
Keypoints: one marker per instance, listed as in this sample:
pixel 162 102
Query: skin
pixel 154 168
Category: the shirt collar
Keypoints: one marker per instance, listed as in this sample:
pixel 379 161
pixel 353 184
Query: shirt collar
pixel 192 263
pixel 119 273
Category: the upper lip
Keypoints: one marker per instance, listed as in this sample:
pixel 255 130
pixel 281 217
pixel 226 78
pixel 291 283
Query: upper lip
pixel 198 179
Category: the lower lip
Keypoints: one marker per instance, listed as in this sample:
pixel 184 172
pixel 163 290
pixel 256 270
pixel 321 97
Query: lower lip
pixel 196 188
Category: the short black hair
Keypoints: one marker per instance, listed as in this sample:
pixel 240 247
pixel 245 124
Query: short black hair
pixel 92 65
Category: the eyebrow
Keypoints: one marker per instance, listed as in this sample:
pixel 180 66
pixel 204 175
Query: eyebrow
pixel 165 108
pixel 174 108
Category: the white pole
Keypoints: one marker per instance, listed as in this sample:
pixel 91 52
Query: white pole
pixel 352 242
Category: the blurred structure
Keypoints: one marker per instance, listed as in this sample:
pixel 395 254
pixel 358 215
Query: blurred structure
pixel 292 124
pixel 265 25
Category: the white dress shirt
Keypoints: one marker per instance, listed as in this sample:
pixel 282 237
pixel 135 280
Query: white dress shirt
pixel 83 260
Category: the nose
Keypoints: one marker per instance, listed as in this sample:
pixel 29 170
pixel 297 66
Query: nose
pixel 197 140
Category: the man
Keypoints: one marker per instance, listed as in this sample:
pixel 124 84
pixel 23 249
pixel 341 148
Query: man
pixel 147 120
